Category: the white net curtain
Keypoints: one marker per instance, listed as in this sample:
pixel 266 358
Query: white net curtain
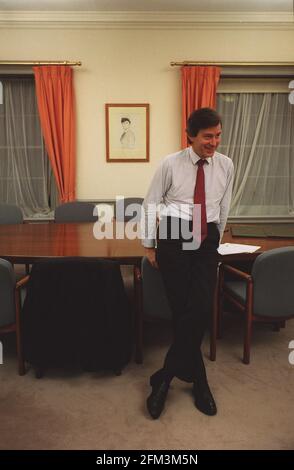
pixel 26 177
pixel 258 135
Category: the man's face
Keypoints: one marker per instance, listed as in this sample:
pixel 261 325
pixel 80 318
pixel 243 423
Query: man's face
pixel 125 125
pixel 206 141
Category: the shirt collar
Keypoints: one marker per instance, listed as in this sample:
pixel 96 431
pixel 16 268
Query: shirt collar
pixel 194 157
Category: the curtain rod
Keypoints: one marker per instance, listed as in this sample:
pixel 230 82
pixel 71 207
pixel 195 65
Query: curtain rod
pixel 39 62
pixel 246 64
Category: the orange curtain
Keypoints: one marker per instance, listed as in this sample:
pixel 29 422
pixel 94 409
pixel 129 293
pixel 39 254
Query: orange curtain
pixel 199 85
pixel 55 96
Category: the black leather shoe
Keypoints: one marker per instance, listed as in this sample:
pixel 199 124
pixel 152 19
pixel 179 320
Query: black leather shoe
pixel 156 400
pixel 203 398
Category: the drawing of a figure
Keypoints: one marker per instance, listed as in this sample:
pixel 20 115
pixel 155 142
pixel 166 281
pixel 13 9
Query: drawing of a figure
pixel 127 139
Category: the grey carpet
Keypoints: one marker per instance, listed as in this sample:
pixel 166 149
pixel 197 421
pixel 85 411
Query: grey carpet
pixel 76 410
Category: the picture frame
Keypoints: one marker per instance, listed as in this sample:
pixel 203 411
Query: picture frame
pixel 127 132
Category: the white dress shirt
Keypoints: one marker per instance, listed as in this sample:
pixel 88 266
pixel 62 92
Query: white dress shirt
pixel 172 187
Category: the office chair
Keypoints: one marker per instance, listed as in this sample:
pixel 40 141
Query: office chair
pixel 76 314
pixel 151 301
pixel 155 302
pixel 10 306
pixel 10 214
pixel 265 295
pixel 128 209
pixel 77 211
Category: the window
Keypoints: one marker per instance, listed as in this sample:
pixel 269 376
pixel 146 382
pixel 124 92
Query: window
pixel 258 136
pixel 26 177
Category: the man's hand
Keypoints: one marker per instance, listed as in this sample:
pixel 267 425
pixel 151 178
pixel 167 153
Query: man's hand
pixel 151 255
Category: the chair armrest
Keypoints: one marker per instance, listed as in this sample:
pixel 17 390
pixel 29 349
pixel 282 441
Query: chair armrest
pixel 22 282
pixel 236 272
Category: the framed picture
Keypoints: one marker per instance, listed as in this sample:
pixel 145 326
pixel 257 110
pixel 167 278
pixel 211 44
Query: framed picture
pixel 127 132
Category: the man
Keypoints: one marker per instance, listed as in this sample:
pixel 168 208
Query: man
pixel 195 178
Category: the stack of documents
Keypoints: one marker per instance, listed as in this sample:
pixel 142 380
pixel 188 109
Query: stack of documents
pixel 233 248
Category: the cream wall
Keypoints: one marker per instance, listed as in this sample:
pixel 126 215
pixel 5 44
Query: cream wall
pixel 132 66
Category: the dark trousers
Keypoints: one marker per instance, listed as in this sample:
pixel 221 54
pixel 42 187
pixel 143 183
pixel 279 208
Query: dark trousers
pixel 189 277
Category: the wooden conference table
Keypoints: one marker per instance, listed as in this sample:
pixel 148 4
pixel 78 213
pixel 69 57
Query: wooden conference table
pixel 27 243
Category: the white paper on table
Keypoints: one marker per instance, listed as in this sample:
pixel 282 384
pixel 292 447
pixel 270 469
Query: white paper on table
pixel 232 248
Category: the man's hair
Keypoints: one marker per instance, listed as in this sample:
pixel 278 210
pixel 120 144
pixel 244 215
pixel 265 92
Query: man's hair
pixel 124 119
pixel 202 119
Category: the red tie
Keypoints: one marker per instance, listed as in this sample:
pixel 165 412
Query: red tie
pixel 199 198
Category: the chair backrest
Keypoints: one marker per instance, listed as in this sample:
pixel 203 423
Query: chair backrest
pixel 7 289
pixel 155 303
pixel 76 312
pixel 10 214
pixel 77 211
pixel 129 209
pixel 273 281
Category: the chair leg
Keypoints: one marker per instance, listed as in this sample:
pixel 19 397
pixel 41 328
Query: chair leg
pixel 219 327
pixel 248 322
pixel 21 366
pixel 138 316
pixel 246 351
pixel 20 359
pixel 220 299
pixel 217 313
pixel 214 323
pixel 39 372
pixel 247 339
pixel 212 355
